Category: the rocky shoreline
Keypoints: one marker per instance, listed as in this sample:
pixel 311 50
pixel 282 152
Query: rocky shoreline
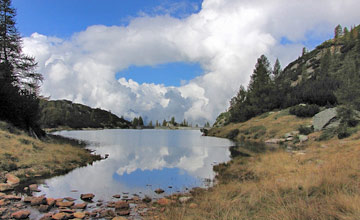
pixel 14 205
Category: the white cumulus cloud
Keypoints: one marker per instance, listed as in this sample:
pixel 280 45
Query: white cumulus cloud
pixel 225 37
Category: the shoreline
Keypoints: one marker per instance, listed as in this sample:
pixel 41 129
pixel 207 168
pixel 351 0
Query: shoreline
pixel 280 183
pixel 17 199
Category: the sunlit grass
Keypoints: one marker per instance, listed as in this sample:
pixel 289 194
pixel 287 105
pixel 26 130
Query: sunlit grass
pixel 321 182
pixel 27 157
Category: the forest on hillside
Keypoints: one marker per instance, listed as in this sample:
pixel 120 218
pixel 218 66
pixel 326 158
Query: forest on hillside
pixel 327 76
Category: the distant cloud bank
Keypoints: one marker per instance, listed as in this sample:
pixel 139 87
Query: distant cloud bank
pixel 224 37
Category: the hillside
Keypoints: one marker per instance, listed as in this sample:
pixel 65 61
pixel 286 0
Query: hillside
pixel 327 76
pixel 65 114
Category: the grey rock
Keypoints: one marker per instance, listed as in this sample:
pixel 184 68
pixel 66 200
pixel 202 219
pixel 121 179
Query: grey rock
pixel 323 118
pixel 184 199
pixel 275 141
pixel 303 138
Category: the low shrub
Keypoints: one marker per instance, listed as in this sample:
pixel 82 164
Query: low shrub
pixel 305 129
pixel 232 134
pixel 304 110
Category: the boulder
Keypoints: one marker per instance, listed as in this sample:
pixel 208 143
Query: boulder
pixel 34 188
pixel 50 201
pixel 117 196
pixel 303 138
pixel 38 201
pixel 12 197
pixel 80 206
pixel 11 179
pixel 60 216
pixel 64 204
pixel 184 199
pixel 159 191
pixel 46 216
pixel 22 214
pixel 44 208
pixel 87 196
pixel 275 141
pixel 5 187
pixel 121 205
pixel 107 213
pixel 79 215
pixel 122 212
pixel 164 201
pixel 69 199
pixel 323 118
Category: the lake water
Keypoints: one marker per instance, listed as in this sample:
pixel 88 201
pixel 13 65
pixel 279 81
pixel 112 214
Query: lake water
pixel 141 161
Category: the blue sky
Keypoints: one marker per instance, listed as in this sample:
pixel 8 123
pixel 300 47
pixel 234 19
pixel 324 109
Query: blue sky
pixel 63 18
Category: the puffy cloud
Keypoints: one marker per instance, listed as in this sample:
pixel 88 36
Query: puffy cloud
pixel 225 37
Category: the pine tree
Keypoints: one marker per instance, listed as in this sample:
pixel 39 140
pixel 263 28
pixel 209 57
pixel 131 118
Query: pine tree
pixel 150 124
pixel 22 67
pixel 338 32
pixel 277 69
pixel 164 123
pixel 135 122
pixel 141 122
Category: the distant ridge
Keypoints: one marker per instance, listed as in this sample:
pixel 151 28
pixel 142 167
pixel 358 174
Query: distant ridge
pixel 64 113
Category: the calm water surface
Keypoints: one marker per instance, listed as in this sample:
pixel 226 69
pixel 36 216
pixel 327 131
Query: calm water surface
pixel 141 161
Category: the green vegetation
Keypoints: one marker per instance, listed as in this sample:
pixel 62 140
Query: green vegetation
pixel 18 80
pixel 304 110
pixel 65 114
pixel 327 76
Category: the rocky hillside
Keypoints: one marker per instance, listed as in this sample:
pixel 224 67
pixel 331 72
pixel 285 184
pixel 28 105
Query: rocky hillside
pixel 63 113
pixel 324 77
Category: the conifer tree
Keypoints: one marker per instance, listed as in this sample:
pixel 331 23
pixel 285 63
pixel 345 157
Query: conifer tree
pixel 277 69
pixel 140 122
pixel 338 31
pixel 22 67
pixel 19 82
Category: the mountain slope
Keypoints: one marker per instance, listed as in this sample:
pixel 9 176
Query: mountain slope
pixel 64 113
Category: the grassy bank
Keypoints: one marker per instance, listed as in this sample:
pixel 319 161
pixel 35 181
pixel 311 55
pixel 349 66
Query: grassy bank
pixel 29 158
pixel 320 181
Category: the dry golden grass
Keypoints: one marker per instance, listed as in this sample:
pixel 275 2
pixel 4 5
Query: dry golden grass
pixel 321 182
pixel 263 127
pixel 27 157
